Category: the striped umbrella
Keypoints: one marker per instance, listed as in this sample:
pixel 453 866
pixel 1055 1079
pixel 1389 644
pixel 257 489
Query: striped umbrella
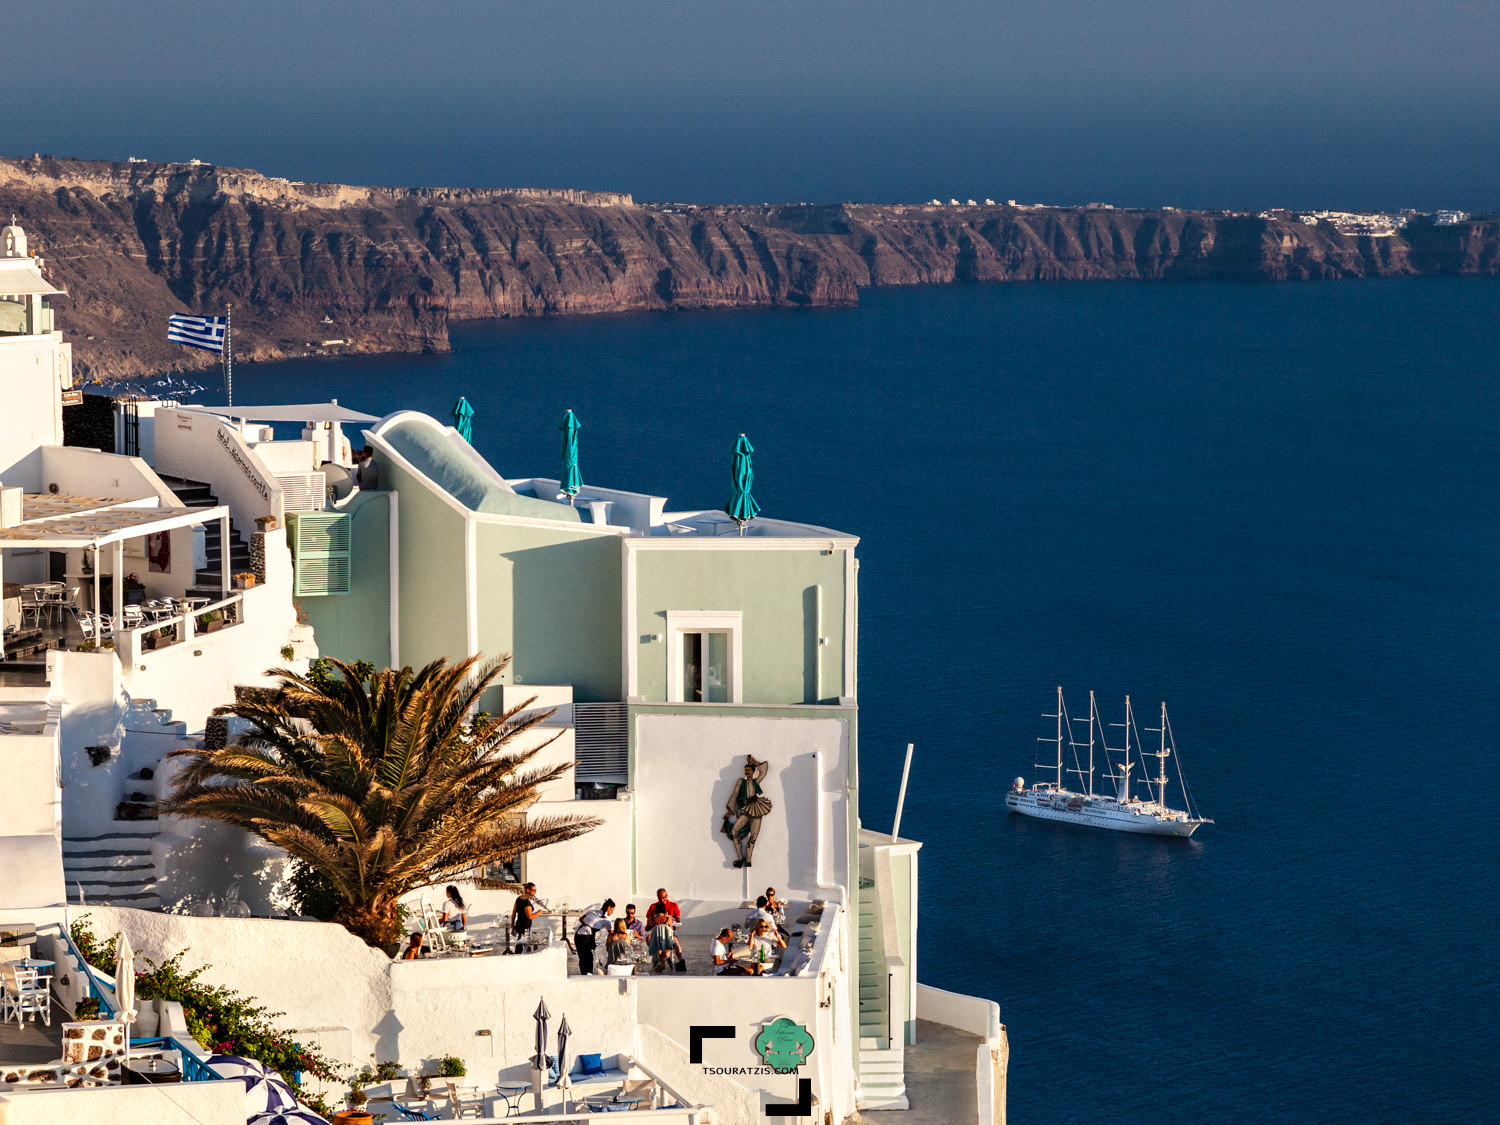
pixel 463 419
pixel 265 1091
pixel 742 507
pixel 572 480
pixel 298 1116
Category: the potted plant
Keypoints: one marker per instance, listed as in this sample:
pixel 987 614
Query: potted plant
pixel 87 1009
pixel 244 580
pixel 451 1066
pixel 210 622
pixel 265 523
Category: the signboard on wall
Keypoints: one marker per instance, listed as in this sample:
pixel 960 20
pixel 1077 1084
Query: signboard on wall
pixel 72 398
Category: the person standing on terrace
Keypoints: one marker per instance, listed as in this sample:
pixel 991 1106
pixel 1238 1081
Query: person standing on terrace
pixel 524 913
pixel 585 937
pixel 455 912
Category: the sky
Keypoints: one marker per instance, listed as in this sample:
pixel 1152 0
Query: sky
pixel 1192 103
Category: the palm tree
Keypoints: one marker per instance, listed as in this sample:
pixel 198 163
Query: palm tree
pixel 382 783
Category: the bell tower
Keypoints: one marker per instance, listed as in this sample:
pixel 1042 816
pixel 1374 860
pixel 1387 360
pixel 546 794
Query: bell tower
pixel 36 366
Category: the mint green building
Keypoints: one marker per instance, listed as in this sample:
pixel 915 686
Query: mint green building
pixel 671 648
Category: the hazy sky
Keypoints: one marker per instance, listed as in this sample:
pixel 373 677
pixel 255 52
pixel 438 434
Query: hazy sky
pixel 1361 103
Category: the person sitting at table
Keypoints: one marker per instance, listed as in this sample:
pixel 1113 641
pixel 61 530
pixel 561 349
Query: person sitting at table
pixel 758 915
pixel 455 913
pixel 764 944
pixel 663 943
pixel 634 924
pixel 722 952
pixel 663 905
pixel 619 949
pixel 777 910
pixel 413 951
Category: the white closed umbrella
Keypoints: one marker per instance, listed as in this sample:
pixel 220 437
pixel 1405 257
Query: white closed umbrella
pixel 125 984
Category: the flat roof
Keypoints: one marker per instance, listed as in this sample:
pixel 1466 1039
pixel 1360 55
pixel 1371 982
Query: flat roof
pixel 86 524
pixel 297 412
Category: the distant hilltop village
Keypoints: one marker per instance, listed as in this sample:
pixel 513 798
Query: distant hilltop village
pixel 1374 224
pixel 323 269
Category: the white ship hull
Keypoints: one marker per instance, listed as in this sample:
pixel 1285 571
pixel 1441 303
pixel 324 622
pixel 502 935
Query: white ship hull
pixel 1095 812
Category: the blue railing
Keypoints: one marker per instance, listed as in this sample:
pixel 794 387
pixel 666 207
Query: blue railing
pixel 194 1069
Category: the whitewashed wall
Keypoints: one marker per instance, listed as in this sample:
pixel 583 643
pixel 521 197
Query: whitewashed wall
pixel 188 1103
pixel 685 770
pixel 189 444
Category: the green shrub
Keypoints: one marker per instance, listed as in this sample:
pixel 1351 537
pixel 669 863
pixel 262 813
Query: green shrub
pixel 288 652
pixel 451 1066
pixel 87 1009
pixel 312 892
pixel 225 1022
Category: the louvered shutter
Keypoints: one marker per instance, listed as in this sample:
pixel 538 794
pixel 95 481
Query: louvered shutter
pixel 320 550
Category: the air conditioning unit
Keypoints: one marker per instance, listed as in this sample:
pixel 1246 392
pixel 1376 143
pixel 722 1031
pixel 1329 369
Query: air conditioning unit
pixel 321 555
pixel 303 492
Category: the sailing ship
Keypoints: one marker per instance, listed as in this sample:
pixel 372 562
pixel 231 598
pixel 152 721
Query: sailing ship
pixel 1118 811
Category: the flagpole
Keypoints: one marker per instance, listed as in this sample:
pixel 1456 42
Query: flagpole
pixel 229 351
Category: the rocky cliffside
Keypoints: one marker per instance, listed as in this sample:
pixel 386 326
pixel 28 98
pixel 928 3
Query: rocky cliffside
pixel 386 269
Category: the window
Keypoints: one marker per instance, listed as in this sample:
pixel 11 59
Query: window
pixel 512 870
pixel 703 657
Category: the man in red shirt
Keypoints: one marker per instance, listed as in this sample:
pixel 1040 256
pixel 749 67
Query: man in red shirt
pixel 663 905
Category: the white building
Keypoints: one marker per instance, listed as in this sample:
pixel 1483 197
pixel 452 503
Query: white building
pixel 143 585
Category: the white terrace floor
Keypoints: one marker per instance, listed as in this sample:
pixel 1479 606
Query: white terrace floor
pixel 940 1082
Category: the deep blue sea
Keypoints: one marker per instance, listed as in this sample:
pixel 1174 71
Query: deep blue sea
pixel 1273 506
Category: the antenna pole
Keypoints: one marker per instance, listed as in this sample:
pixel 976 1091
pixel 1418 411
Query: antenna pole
pixel 901 797
pixel 229 352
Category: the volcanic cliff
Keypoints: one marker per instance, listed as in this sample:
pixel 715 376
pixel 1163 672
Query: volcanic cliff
pixel 385 269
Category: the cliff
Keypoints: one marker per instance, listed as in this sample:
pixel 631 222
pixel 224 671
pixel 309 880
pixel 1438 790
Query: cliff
pixel 389 267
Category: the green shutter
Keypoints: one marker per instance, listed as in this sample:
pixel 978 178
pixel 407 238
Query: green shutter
pixel 320 552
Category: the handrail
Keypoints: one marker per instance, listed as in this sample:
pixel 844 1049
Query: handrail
pixel 95 989
pixel 194 1069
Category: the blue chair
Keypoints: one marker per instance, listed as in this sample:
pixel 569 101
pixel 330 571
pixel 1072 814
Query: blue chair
pixel 409 1114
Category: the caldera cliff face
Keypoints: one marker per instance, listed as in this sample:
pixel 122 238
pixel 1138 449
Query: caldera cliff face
pixel 330 268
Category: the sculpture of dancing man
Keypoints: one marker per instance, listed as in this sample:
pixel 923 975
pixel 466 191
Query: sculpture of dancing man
pixel 747 804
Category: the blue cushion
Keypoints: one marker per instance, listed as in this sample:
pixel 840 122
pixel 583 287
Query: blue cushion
pixel 591 1064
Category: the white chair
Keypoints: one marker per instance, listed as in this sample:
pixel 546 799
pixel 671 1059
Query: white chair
pixel 437 934
pixel 56 599
pixel 95 627
pixel 465 1100
pixel 33 605
pixel 132 617
pixel 22 993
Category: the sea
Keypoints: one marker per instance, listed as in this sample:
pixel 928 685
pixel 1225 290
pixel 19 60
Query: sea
pixel 1272 506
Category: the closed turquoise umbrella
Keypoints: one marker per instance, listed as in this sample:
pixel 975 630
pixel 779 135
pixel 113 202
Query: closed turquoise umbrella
pixel 463 419
pixel 742 507
pixel 572 479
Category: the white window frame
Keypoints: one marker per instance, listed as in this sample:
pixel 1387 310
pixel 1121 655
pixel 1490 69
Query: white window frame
pixel 680 621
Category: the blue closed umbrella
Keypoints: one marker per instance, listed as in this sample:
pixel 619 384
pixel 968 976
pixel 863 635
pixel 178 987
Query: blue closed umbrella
pixel 572 479
pixel 742 507
pixel 463 419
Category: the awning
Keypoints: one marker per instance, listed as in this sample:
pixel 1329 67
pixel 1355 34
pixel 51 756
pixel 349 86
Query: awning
pixel 306 412
pixel 27 283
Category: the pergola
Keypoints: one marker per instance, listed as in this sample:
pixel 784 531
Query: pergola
pixel 52 522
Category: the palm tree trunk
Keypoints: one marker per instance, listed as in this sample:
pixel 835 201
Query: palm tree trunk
pixel 375 923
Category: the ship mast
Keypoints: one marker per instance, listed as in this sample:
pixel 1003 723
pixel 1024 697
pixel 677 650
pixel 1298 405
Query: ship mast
pixel 1124 795
pixel 1161 761
pixel 1058 739
pixel 1093 718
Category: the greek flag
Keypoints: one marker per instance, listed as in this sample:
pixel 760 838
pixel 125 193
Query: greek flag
pixel 206 332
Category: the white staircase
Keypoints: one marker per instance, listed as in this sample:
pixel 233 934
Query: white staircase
pixel 112 863
pixel 882 1056
pixel 115 867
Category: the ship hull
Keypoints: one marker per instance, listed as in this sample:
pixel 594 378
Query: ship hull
pixel 1112 819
